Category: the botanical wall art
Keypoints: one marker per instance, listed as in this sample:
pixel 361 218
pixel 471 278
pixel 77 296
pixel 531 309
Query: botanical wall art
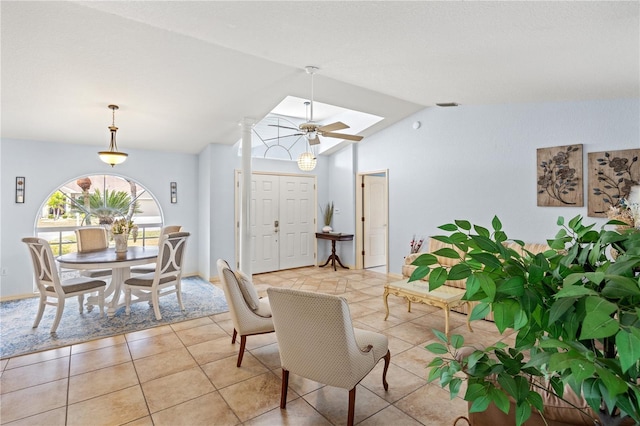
pixel 560 181
pixel 611 176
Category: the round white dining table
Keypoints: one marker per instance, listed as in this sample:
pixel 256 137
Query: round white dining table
pixel 119 263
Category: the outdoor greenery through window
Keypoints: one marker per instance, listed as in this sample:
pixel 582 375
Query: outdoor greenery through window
pixel 97 200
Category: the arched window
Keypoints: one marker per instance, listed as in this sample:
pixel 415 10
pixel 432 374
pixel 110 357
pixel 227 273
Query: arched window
pixel 97 200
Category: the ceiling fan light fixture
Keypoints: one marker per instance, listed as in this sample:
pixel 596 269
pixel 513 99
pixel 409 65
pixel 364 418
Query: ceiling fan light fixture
pixel 307 161
pixel 113 156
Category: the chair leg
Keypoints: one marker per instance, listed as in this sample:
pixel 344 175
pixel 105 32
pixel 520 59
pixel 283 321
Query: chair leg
pixel 179 294
pixel 81 301
pixel 59 310
pixel 352 406
pixel 387 358
pixel 43 300
pixel 127 301
pixel 233 338
pixel 285 388
pixel 243 343
pixel 156 304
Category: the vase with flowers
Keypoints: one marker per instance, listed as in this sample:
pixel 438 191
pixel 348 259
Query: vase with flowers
pixel 120 229
pixel 416 244
pixel 327 216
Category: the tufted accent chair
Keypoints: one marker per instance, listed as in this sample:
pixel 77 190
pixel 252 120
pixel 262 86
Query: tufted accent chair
pixel 317 341
pixel 246 321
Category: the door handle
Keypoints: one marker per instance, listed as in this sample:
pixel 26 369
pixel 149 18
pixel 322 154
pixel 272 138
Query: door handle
pixel 276 224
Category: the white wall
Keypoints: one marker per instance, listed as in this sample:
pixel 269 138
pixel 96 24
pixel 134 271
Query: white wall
pixel 474 162
pixel 47 165
pixel 470 162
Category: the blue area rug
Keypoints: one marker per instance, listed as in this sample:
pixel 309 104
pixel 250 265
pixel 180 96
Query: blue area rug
pixel 17 337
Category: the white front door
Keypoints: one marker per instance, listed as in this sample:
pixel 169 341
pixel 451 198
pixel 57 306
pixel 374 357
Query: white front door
pixel 265 199
pixel 282 222
pixel 297 227
pixel 375 220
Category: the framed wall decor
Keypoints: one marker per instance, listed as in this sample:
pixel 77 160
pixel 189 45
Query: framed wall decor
pixel 20 184
pixel 560 176
pixel 611 176
pixel 174 192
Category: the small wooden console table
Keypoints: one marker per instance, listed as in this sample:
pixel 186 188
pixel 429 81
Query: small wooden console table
pixel 333 237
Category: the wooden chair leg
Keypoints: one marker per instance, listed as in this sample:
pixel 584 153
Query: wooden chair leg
pixel 243 343
pixel 285 387
pixel 233 338
pixel 43 299
pixel 387 358
pixel 352 406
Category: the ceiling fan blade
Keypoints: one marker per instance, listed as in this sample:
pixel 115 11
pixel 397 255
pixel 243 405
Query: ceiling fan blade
pixel 284 127
pixel 280 137
pixel 343 136
pixel 314 141
pixel 338 125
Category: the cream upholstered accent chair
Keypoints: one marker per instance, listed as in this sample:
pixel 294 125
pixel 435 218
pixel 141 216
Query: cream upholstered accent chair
pixel 51 286
pixel 92 239
pixel 164 280
pixel 146 269
pixel 250 314
pixel 317 341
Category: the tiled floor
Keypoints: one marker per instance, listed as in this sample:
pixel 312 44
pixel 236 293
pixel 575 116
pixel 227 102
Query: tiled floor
pixel 185 373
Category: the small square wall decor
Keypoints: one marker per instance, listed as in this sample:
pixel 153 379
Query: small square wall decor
pixel 20 184
pixel 611 176
pixel 560 178
pixel 174 192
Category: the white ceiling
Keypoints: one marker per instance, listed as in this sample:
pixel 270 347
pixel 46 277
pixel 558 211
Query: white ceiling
pixel 185 73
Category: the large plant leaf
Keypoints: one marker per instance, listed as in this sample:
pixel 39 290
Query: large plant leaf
pixel 628 346
pixel 618 287
pixel 425 259
pixel 459 271
pixel 513 286
pixel 504 313
pixel 447 252
pixel 523 412
pixel 480 311
pixel 486 259
pixel 559 308
pixel 487 285
pixel 614 384
pixel 437 277
pixel 598 321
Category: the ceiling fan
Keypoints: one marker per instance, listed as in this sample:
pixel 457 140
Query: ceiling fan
pixel 311 130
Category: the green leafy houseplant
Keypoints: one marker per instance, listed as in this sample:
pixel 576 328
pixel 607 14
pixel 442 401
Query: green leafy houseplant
pixel 575 308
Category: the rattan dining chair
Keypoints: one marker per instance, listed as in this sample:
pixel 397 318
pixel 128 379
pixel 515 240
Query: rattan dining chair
pixel 92 239
pixel 168 273
pixel 51 286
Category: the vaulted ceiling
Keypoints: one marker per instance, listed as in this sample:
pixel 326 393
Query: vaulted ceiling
pixel 186 73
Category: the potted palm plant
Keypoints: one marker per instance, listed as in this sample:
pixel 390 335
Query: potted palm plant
pixel 575 309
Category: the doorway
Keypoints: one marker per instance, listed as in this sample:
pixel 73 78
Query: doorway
pixel 282 222
pixel 372 216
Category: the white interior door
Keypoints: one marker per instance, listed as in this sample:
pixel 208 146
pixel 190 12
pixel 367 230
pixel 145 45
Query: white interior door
pixel 282 222
pixel 297 227
pixel 374 199
pixel 265 201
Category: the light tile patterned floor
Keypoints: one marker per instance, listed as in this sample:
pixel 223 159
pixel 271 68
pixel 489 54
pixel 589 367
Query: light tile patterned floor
pixel 185 374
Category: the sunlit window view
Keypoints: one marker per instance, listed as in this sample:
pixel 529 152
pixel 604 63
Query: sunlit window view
pixel 98 201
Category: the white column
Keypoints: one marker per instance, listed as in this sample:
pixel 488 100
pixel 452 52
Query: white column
pixel 245 189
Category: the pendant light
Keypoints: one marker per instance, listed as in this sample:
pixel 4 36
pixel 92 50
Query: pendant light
pixel 307 160
pixel 113 156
